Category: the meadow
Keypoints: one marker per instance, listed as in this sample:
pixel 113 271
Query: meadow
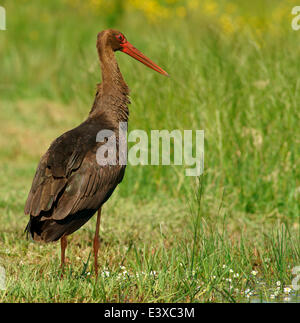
pixel 231 235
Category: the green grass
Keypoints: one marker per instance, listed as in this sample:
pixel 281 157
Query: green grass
pixel 177 239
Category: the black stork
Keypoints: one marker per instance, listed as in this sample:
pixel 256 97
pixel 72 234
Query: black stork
pixel 69 185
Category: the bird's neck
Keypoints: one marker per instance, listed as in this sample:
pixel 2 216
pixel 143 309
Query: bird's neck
pixel 112 95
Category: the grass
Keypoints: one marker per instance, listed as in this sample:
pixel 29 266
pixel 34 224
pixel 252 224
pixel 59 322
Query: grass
pixel 229 236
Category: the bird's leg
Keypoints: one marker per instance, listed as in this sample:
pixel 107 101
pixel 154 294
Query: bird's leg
pixel 96 242
pixel 63 246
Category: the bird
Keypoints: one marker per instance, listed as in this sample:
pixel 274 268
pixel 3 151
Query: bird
pixel 70 185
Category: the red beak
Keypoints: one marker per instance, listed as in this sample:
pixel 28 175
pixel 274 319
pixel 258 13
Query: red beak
pixel 135 53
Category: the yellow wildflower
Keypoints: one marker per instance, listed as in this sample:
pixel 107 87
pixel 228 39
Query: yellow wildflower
pixel 210 7
pixel 226 24
pixel 181 12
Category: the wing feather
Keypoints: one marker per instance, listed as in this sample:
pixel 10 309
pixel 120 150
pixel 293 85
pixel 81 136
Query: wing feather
pixel 68 179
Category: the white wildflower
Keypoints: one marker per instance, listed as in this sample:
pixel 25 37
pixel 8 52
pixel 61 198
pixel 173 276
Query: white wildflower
pixel 105 273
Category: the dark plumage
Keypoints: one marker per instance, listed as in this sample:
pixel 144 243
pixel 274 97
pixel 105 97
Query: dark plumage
pixel 69 186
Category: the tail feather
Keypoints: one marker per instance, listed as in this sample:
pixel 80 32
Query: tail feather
pixel 52 230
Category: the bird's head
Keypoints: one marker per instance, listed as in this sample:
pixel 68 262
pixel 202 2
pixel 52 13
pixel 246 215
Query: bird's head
pixel 116 41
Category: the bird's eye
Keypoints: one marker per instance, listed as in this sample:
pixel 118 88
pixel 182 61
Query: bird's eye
pixel 121 38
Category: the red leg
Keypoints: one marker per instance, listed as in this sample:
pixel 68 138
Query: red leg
pixel 63 246
pixel 96 243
